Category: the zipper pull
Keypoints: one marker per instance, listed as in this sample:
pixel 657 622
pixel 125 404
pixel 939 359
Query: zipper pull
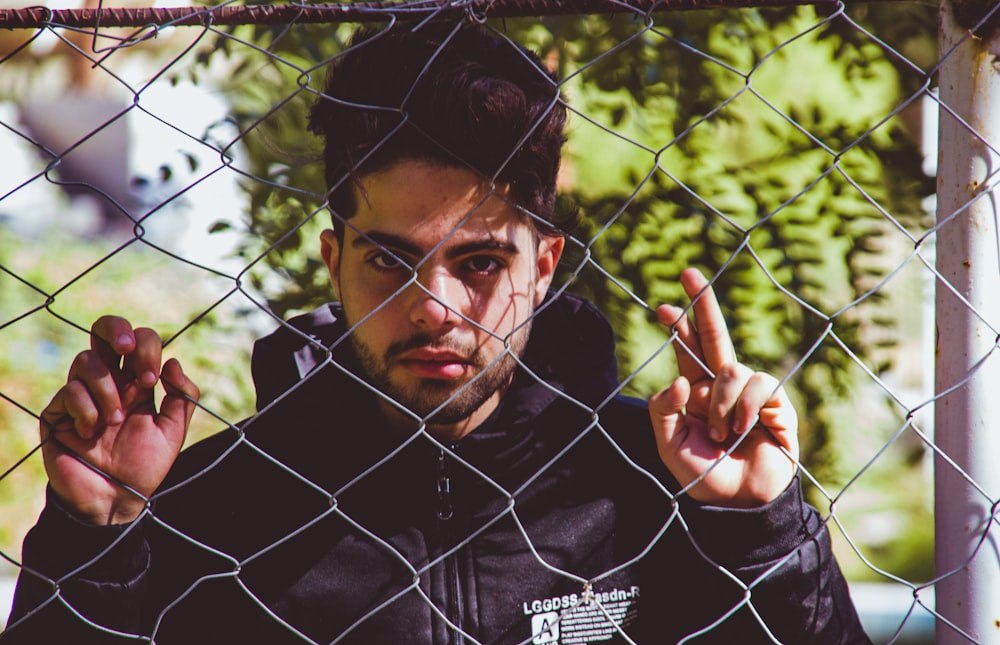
pixel 445 510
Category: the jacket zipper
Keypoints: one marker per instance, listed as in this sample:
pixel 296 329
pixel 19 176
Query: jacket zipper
pixel 445 513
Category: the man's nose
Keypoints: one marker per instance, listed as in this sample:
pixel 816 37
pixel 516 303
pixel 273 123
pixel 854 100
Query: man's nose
pixel 435 300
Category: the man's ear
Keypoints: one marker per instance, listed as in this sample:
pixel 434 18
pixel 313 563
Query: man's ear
pixel 329 249
pixel 550 248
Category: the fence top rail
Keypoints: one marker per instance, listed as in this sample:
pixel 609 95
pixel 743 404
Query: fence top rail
pixel 231 14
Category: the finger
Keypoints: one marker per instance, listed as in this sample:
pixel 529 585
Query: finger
pixel 713 335
pixel 729 393
pixel 666 411
pixel 178 405
pixel 764 401
pixel 91 378
pixel 687 348
pixel 73 409
pixel 112 337
pixel 144 362
pixel 700 399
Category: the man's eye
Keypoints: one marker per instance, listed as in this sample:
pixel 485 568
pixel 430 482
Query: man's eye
pixel 385 262
pixel 482 264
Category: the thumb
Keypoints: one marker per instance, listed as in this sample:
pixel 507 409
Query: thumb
pixel 178 405
pixel 666 411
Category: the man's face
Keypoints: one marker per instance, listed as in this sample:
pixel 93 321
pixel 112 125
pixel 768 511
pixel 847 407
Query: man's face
pixel 439 280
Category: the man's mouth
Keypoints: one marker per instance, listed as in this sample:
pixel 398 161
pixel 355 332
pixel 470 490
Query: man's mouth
pixel 435 364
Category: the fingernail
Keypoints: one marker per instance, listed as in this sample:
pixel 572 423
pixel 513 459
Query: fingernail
pixel 116 417
pixel 124 340
pixel 148 379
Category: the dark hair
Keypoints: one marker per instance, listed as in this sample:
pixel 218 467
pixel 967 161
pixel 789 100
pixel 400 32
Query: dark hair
pixel 453 95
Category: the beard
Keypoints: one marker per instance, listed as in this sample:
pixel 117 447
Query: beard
pixel 439 401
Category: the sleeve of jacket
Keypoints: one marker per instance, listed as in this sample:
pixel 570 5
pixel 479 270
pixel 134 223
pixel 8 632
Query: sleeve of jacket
pixel 776 568
pixel 78 583
pixel 85 584
pixel 723 575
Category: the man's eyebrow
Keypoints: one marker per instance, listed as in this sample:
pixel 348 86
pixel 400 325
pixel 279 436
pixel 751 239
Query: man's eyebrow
pixel 478 246
pixel 400 244
pixel 388 241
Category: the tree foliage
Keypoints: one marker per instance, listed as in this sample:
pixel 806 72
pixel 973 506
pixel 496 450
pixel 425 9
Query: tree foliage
pixel 771 160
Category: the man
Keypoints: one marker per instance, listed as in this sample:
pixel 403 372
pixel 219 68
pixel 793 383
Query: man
pixel 441 457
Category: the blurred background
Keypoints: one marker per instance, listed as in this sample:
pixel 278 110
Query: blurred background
pixel 788 151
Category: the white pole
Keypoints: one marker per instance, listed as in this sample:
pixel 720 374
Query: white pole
pixel 967 420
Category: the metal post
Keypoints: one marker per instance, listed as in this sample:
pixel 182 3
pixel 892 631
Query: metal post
pixel 967 420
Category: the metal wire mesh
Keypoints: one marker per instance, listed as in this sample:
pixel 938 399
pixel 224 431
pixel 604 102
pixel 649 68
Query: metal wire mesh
pixel 164 174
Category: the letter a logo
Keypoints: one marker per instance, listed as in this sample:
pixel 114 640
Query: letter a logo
pixel 545 628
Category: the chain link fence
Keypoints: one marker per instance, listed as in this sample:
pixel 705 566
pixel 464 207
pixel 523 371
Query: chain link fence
pixel 156 165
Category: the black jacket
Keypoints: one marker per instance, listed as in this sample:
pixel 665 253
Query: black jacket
pixel 553 522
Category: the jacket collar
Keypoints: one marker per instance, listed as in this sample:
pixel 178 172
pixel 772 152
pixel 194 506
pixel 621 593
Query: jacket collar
pixel 570 354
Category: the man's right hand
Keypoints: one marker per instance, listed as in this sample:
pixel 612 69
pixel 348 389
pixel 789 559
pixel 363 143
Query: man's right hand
pixel 106 415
